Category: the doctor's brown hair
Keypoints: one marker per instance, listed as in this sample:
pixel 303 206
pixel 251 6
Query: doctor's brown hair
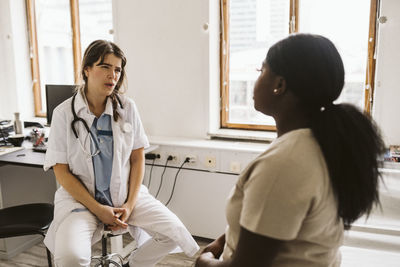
pixel 350 140
pixel 98 50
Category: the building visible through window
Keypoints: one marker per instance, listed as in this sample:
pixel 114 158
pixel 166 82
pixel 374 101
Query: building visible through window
pixel 252 26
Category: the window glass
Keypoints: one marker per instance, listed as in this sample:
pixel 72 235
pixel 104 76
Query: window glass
pixel 95 21
pixel 254 25
pixel 346 24
pixel 54 37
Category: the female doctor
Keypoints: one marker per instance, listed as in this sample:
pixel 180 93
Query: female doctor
pixel 96 148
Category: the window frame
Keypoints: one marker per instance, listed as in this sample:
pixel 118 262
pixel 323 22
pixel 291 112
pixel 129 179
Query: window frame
pixel 34 54
pixel 293 27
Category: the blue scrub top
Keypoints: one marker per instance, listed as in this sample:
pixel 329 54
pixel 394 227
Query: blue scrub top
pixel 102 139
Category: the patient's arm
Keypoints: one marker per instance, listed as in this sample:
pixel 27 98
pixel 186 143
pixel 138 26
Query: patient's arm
pixel 252 250
pixel 216 247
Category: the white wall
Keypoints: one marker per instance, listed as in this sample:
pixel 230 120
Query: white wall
pixel 168 63
pixel 15 73
pixel 8 98
pixel 173 64
pixel 387 93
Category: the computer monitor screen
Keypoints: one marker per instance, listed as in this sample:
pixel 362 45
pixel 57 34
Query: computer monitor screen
pixel 55 95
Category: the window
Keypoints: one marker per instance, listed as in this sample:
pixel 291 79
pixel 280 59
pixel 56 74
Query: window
pixel 58 30
pixel 95 21
pixel 250 27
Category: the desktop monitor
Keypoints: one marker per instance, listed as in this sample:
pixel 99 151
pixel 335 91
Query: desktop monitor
pixel 55 95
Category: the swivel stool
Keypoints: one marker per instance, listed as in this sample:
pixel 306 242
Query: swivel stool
pixel 106 259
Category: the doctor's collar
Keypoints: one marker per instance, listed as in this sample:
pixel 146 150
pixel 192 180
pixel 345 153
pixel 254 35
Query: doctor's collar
pixel 82 103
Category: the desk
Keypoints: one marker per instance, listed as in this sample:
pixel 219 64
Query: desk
pixel 22 180
pixel 31 158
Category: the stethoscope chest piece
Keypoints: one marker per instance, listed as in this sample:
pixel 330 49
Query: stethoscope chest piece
pixel 127 127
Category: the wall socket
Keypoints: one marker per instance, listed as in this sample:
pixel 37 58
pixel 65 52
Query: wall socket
pixel 192 159
pixel 210 161
pixel 175 159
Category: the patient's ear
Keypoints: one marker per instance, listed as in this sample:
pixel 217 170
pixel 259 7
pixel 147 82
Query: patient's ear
pixel 281 86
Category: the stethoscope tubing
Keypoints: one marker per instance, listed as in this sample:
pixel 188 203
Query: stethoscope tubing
pixel 79 119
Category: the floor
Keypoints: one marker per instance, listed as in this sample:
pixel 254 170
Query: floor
pixel 362 257
pixel 36 256
pixel 351 257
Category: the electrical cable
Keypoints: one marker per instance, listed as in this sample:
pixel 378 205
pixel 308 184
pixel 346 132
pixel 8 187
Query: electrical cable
pixel 151 170
pixel 176 176
pixel 162 175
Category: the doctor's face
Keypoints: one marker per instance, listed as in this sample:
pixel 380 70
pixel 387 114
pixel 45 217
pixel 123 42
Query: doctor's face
pixel 102 77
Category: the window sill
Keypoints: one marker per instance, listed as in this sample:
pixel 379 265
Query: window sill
pixel 248 135
pixel 226 145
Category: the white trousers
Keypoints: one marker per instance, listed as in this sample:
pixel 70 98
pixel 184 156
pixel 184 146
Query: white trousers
pixel 73 238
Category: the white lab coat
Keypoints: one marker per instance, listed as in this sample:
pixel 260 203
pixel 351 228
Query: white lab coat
pixel 63 147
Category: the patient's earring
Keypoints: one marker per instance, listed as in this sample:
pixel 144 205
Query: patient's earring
pixel 275 91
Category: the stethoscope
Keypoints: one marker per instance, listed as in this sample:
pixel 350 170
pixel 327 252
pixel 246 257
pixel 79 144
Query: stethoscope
pixel 127 127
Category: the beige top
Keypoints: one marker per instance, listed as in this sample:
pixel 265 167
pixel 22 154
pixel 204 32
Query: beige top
pixel 286 194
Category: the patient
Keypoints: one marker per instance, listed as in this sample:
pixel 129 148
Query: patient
pixel 291 205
